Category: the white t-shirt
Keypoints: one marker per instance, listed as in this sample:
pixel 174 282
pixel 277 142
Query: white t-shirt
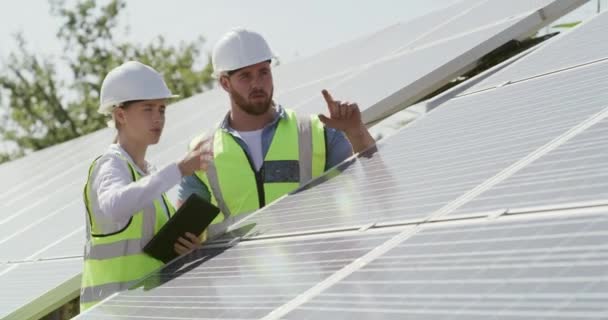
pixel 253 139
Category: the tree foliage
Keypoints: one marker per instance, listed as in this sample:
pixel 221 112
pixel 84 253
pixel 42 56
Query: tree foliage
pixel 48 100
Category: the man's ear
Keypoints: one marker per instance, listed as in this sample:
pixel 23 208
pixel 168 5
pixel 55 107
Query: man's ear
pixel 225 83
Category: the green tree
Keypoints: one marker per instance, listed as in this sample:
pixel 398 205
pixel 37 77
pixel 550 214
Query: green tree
pixel 45 107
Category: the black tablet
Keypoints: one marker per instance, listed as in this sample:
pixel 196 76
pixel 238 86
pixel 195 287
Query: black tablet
pixel 194 216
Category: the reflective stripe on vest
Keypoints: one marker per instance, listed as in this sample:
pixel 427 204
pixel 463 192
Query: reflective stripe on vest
pixel 237 189
pixel 115 261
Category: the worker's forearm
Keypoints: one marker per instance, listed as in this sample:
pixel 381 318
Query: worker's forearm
pixel 360 138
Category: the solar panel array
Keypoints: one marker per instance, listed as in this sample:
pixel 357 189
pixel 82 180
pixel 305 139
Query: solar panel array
pixel 437 159
pixel 527 268
pixel 559 53
pixel 43 229
pixel 448 44
pixel 492 206
pixel 247 281
pixel 47 283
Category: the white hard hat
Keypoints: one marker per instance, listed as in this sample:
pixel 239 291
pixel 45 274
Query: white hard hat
pixel 239 48
pixel 131 80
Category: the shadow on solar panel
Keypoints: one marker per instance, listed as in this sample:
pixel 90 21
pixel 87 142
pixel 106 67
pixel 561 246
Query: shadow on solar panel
pixel 179 267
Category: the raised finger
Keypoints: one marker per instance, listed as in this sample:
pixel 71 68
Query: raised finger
pixel 332 105
pixel 328 98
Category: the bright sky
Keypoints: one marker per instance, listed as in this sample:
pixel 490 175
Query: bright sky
pixel 293 28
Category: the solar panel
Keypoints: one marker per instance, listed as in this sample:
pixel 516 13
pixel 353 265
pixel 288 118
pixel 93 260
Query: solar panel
pixel 45 222
pixel 459 18
pixel 393 123
pixel 530 266
pixel 425 67
pixel 183 124
pixel 68 246
pixel 352 55
pixel 246 281
pixel 46 285
pixel 34 171
pixel 561 52
pixel 441 157
pixel 445 50
pixel 574 172
pixel 295 96
pixel 45 188
pixel 525 268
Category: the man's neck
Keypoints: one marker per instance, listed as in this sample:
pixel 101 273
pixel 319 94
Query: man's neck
pixel 242 121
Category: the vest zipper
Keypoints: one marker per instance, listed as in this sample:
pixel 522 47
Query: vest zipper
pixel 259 179
pixel 167 211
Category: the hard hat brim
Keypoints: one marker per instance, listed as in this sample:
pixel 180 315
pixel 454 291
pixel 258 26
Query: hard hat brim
pixel 107 108
pixel 218 74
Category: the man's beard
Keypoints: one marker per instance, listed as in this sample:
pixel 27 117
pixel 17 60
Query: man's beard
pixel 253 108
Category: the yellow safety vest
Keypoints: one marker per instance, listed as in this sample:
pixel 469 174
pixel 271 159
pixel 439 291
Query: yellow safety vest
pixel 296 155
pixel 114 262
